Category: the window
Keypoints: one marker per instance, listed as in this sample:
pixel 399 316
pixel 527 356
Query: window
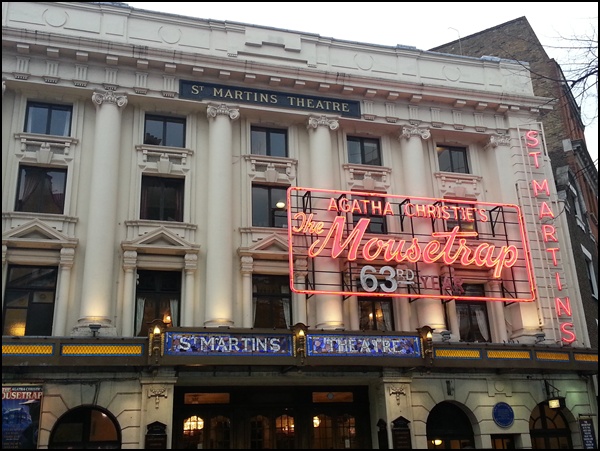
pixel 48 119
pixel 473 316
pixel 41 190
pixel 371 208
pixel 375 314
pixel 269 141
pixel 271 299
pixel 453 159
pixel 158 296
pixel 162 199
pixel 462 215
pixel 364 151
pixel 164 131
pixel 29 300
pixel 86 427
pixel 269 206
pixel 591 272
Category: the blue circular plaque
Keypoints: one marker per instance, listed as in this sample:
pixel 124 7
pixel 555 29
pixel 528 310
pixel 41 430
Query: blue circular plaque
pixel 503 415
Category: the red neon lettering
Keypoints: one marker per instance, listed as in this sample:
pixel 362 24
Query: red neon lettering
pixel 549 232
pixel 570 335
pixel 560 306
pixel 531 135
pixel 558 282
pixel 307 226
pixel 537 187
pixel 553 251
pixel 433 250
pixel 545 211
pixel 535 158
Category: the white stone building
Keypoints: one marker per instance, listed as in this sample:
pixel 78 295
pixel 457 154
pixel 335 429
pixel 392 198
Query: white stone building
pixel 144 157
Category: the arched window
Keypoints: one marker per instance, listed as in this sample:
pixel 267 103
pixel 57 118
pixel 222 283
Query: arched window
pixel 86 427
pixel 448 427
pixel 549 428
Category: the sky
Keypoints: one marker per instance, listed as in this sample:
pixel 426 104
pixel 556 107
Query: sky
pixel 421 25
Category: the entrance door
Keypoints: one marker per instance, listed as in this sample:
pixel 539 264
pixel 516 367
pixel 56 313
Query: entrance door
pixel 271 418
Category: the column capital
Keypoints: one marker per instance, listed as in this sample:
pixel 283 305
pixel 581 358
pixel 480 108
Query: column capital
pixel 247 264
pixel 129 260
pixel 216 110
pixel 314 122
pixel 67 257
pixel 106 97
pixel 191 262
pixel 409 132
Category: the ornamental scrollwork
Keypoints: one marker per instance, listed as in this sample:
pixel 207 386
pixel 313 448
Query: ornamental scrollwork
pixel 100 98
pixel 408 132
pixel 314 122
pixel 213 111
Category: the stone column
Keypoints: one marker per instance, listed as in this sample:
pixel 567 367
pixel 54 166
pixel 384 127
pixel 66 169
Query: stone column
pixel 417 178
pixel 329 311
pixel 299 312
pixel 98 286
pixel 129 300
pixel 219 253
pixel 498 313
pixel 67 256
pixel 247 307
pixel 187 307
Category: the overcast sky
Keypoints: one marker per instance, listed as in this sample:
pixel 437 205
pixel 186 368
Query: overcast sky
pixel 421 25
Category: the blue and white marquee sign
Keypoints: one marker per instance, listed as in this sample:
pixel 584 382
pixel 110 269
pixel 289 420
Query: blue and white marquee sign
pixel 367 346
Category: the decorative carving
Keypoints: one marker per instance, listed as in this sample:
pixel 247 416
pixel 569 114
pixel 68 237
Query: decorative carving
pixel 213 111
pixel 498 140
pixel 100 98
pixel 157 393
pixel 408 132
pixel 397 391
pixel 314 122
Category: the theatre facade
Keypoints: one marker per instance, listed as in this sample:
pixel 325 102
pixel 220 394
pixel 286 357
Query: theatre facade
pixel 227 236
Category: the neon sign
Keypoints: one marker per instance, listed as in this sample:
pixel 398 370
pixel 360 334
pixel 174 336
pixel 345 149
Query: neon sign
pixel 479 237
pixel 540 188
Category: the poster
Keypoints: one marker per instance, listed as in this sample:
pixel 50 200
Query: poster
pixel 21 407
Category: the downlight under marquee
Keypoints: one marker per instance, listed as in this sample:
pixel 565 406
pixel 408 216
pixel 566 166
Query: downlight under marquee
pixel 378 244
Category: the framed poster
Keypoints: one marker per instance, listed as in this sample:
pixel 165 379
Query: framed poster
pixel 21 407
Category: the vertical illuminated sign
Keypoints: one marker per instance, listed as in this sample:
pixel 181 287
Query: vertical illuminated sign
pixel 540 188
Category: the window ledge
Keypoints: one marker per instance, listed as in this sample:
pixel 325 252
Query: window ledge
pixel 367 177
pixel 454 184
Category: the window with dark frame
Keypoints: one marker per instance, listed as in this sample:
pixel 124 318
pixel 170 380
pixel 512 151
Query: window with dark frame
pixel 364 151
pixel 375 314
pixel 158 296
pixel 41 190
pixel 29 300
pixel 48 119
pixel 269 207
pixel 270 142
pixel 372 208
pixel 164 131
pixel 453 159
pixel 271 298
pixel 463 216
pixel 472 316
pixel 162 198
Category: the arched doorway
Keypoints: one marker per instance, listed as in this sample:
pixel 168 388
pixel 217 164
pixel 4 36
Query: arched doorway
pixel 448 427
pixel 549 428
pixel 86 427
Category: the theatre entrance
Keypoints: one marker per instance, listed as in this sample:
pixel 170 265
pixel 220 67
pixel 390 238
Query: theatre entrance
pixel 271 418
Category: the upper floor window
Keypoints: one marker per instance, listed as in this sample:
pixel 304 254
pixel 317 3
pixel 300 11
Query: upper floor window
pixel 269 206
pixel 375 314
pixel 271 299
pixel 158 296
pixel 591 272
pixel 462 215
pixel 371 208
pixel 271 142
pixel 162 199
pixel 453 159
pixel 29 300
pixel 48 119
pixel 41 190
pixel 364 151
pixel 473 316
pixel 164 131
